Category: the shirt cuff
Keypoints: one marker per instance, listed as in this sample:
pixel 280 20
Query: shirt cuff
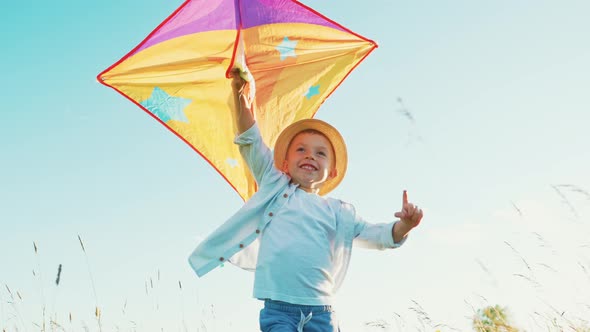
pixel 391 243
pixel 249 136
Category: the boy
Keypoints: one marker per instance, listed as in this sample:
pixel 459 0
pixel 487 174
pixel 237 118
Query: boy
pixel 297 242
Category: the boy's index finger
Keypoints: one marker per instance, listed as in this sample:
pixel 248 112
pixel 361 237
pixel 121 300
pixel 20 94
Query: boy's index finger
pixel 405 197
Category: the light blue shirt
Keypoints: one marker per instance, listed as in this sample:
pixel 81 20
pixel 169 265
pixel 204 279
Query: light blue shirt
pixel 238 240
pixel 295 256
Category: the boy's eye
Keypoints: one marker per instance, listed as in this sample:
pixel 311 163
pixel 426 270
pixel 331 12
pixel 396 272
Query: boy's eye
pixel 299 149
pixel 321 153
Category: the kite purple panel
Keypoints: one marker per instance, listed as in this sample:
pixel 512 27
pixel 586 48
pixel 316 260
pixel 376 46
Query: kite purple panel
pixel 193 17
pixel 260 12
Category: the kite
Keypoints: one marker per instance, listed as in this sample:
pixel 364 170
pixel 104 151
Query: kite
pixel 294 58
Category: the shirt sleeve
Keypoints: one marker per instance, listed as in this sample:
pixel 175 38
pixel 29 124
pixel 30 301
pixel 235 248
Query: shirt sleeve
pixel 373 235
pixel 256 153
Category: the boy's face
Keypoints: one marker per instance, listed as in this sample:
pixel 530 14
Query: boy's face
pixel 310 161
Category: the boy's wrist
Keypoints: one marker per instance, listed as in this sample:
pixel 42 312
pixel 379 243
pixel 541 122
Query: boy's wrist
pixel 400 230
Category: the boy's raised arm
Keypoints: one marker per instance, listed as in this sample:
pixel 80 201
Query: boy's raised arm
pixel 244 116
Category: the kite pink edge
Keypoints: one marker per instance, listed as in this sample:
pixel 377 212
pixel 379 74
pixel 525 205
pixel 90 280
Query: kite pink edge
pixel 227 74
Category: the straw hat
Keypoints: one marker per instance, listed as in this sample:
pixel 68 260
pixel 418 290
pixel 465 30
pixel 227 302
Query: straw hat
pixel 340 160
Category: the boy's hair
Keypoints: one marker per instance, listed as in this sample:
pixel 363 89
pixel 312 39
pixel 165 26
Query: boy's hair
pixel 320 127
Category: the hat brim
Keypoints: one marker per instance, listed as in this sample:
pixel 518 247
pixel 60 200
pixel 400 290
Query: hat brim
pixel 331 133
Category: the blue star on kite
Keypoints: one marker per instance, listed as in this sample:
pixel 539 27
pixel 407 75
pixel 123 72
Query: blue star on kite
pixel 287 48
pixel 232 162
pixel 313 90
pixel 165 106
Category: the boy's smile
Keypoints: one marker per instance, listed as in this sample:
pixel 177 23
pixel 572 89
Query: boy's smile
pixel 310 161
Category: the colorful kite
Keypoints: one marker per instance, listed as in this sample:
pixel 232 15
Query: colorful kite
pixel 295 58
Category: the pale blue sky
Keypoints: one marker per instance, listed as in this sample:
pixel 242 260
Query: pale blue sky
pixel 499 94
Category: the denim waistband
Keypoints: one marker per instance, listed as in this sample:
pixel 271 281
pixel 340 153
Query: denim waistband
pixel 297 308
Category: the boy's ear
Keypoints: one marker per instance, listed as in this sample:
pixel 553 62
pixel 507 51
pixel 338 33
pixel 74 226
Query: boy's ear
pixel 285 167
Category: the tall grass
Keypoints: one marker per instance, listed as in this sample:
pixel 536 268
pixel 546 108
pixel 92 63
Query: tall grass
pixel 97 312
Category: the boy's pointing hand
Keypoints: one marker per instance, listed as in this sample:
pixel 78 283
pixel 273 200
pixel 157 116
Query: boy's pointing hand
pixel 410 214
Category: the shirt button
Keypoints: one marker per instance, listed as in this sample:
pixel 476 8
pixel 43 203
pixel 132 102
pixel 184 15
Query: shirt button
pixel 271 214
pixel 241 245
pixel 257 231
pixel 221 259
pixel 285 195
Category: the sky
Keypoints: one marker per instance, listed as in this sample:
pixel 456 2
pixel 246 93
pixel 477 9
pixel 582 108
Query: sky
pixel 495 152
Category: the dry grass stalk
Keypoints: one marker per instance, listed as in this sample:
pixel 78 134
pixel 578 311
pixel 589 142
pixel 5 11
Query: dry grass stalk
pixel 576 189
pixel 565 200
pixel 97 311
pixel 532 281
pixel 378 323
pixel 547 267
pixel 421 314
pixel 81 243
pixel 399 321
pixel 583 269
pixel 474 311
pixel 40 278
pixel 9 291
pixel 403 110
pixel 521 257
pixel 483 267
pixel 516 208
pixel 58 275
pixel 54 324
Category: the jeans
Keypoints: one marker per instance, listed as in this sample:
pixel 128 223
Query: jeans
pixel 277 316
